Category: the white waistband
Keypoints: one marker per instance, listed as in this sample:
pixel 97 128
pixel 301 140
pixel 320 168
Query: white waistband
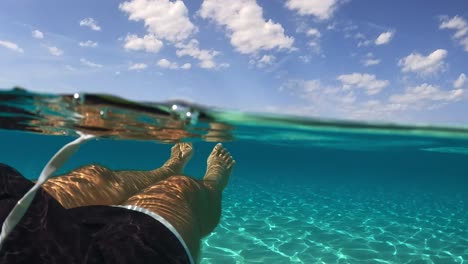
pixel 162 221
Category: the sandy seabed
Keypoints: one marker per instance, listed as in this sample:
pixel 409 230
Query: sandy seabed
pixel 278 223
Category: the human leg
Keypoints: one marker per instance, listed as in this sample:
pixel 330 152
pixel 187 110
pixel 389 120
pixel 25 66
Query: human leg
pixel 49 233
pixel 191 206
pixel 97 185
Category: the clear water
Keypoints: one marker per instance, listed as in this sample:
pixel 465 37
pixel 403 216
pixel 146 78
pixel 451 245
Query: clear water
pixel 302 191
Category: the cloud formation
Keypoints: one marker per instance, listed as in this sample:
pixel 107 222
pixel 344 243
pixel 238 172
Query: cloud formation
pixel 166 20
pixel 245 26
pixel 368 82
pixel 424 95
pixel 166 64
pixel 321 9
pixel 148 43
pixel 186 66
pixel 137 67
pixel 91 23
pixel 55 51
pixel 384 38
pixel 313 32
pixel 90 64
pixel 205 57
pixel 328 101
pixel 88 43
pixel 460 81
pixel 264 61
pixel 370 60
pixel 11 46
pixel 37 34
pixel 461 29
pixel 424 65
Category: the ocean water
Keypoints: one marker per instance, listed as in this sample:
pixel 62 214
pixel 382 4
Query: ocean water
pixel 302 191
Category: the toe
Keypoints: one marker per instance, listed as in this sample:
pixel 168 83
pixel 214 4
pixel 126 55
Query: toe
pixel 217 148
pixel 231 164
pixel 222 153
pixel 176 146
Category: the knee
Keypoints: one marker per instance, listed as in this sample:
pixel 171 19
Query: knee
pixel 183 181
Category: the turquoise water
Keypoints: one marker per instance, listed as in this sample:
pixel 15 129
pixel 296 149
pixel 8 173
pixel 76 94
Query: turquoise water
pixel 302 191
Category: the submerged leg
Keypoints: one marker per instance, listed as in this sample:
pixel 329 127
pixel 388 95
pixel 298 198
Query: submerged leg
pixel 193 207
pixel 97 185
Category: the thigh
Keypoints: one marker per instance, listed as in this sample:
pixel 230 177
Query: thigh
pixel 87 185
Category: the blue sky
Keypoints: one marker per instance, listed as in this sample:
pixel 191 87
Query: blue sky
pixel 398 61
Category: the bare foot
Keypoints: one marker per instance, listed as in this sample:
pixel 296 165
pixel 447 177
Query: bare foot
pixel 181 153
pixel 219 169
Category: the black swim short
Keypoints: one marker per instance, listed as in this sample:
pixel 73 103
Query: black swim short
pixel 49 233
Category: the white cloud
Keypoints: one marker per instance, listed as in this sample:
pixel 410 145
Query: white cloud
pixel 358 35
pixel 305 58
pixel 464 43
pixel 321 9
pixel 267 59
pixel 148 43
pixel 90 64
pixel 206 57
pixel 461 26
pixel 167 20
pixel 351 27
pixel 91 23
pixel 364 43
pixel 384 38
pixel 164 63
pixel 264 61
pixel 327 101
pixel 137 67
pixel 37 34
pixel 314 44
pixel 376 110
pixel 55 51
pixel 363 80
pixel 457 23
pixel 246 27
pixel 186 66
pixel 320 100
pixel 370 60
pixel 425 96
pixel 460 81
pixel 12 46
pixel 223 65
pixel 424 65
pixel 88 43
pixel 313 32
